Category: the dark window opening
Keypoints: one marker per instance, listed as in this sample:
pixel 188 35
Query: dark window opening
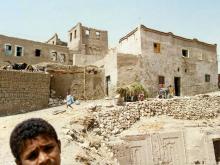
pixel 37 52
pixel 178 69
pixel 75 34
pixel 161 81
pixel 8 49
pixel 108 82
pixel 19 51
pixel 216 144
pixel 185 70
pixel 207 78
pixel 156 47
pixel 53 42
pixel 71 35
pixel 185 53
pixel 177 84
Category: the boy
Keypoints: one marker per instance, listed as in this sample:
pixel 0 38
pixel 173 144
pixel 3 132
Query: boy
pixel 69 100
pixel 35 142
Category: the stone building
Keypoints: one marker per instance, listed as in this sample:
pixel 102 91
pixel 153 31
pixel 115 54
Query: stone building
pixel 18 50
pixel 144 55
pixel 156 58
pixel 82 41
pixel 88 41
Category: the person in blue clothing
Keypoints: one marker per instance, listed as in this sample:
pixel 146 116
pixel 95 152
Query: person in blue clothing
pixel 69 100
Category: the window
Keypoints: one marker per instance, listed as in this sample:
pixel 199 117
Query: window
pixel 71 35
pixel 37 52
pixel 8 49
pixel 156 47
pixel 161 81
pixel 18 51
pixel 53 56
pixel 61 57
pixel 87 32
pixel 75 34
pixel 207 78
pixel 97 35
pixel 185 53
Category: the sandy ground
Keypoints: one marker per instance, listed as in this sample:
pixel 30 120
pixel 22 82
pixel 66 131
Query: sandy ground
pixel 59 121
pixel 7 123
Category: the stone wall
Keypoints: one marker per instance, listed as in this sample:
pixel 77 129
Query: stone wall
pixel 22 91
pixel 48 52
pixel 116 119
pixel 87 40
pixel 82 82
pixel 169 61
pixel 128 69
pixel 131 43
pixel 84 60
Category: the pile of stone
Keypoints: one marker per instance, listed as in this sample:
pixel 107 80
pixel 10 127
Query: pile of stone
pixel 116 119
pixel 54 102
pixel 188 108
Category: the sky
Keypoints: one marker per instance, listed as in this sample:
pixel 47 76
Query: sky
pixel 38 20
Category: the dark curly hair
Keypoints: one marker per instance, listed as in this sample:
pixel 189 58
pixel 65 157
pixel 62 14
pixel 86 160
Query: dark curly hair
pixel 29 129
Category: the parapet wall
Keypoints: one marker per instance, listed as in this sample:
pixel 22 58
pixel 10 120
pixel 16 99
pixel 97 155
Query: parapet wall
pixel 23 91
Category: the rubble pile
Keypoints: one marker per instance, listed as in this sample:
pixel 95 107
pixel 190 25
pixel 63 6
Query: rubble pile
pixel 92 150
pixel 54 102
pixel 116 119
pixel 188 108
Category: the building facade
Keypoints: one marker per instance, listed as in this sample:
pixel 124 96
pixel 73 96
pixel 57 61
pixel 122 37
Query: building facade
pixel 151 57
pixel 18 50
pixel 88 41
pixel 158 59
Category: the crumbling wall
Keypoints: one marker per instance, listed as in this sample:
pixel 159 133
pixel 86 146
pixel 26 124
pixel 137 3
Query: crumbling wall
pixel 23 91
pixel 88 41
pixel 83 60
pixel 128 69
pixel 81 82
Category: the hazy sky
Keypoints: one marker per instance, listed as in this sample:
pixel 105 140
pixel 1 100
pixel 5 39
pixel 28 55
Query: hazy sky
pixel 40 19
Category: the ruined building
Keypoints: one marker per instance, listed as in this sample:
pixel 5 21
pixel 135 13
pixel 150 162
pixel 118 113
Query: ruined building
pixel 144 55
pixel 82 41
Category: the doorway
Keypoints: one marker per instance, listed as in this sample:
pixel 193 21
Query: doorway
pixel 107 82
pixel 216 144
pixel 177 86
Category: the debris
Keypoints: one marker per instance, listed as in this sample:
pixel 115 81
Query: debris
pixel 56 112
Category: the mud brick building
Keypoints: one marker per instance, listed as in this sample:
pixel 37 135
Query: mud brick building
pixel 144 55
pixel 155 58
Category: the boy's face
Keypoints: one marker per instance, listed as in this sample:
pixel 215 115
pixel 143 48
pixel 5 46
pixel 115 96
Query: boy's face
pixel 41 150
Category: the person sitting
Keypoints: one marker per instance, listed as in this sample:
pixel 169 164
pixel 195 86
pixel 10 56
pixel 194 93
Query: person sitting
pixel 34 141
